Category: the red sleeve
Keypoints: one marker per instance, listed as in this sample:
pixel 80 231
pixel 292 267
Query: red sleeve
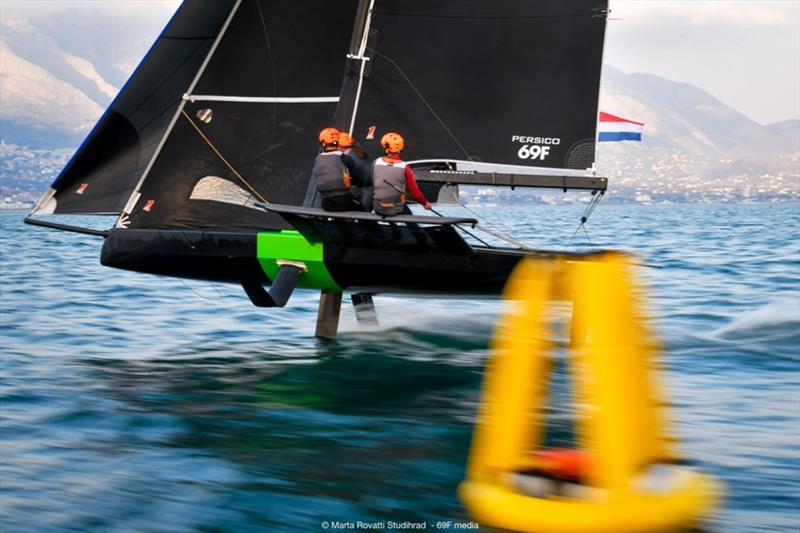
pixel 413 188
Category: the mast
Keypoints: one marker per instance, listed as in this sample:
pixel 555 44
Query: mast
pixel 349 94
pixel 359 29
pixel 330 302
pixel 363 59
pixel 355 68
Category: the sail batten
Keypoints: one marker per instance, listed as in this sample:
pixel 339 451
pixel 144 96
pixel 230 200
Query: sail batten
pixel 262 99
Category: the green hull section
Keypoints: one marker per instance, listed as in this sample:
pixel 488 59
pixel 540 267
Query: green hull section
pixel 289 245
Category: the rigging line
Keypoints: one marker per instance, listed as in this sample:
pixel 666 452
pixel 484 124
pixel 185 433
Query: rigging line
pixel 587 212
pixel 274 79
pixel 587 236
pixel 424 101
pixel 211 145
pixel 497 231
pixel 569 242
pixel 475 237
pixel 505 238
pixel 194 247
pixel 592 205
pixel 464 230
pixel 219 293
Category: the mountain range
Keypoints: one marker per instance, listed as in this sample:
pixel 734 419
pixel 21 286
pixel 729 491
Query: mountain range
pixel 684 117
pixel 59 71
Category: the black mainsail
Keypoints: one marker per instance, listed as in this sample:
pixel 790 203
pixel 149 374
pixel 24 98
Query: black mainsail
pixel 500 83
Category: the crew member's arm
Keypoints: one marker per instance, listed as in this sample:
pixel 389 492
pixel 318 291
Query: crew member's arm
pixel 413 188
pixel 356 176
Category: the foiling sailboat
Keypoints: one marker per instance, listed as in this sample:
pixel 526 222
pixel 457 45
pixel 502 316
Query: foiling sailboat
pixel 205 155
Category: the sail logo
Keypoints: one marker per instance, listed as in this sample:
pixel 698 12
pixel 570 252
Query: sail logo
pixel 535 140
pixel 535 147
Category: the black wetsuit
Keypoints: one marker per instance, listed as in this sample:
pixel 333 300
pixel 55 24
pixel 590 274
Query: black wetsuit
pixel 362 169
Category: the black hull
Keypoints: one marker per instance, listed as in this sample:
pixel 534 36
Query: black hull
pixel 225 256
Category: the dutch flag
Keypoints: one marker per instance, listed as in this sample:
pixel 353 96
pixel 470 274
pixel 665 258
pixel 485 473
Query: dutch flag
pixel 614 128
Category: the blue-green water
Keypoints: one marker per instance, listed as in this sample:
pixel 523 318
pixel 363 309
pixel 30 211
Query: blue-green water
pixel 137 403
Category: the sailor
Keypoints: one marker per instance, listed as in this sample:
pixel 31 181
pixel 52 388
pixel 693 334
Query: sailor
pixel 334 174
pixel 362 163
pixel 392 178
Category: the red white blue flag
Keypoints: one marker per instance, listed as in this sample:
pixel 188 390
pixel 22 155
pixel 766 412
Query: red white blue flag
pixel 614 128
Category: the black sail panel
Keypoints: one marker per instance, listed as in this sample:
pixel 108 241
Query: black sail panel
pixel 505 82
pixel 181 190
pixel 104 171
pixel 249 131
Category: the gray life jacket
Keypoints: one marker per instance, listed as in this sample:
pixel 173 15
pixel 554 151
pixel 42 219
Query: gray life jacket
pixel 390 187
pixel 331 176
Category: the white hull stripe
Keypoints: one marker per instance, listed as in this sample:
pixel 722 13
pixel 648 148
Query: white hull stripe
pixel 263 99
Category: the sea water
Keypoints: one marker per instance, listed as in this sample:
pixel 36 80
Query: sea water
pixel 140 403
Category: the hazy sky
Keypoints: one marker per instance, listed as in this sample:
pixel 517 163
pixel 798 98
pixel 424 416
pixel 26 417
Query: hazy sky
pixel 746 53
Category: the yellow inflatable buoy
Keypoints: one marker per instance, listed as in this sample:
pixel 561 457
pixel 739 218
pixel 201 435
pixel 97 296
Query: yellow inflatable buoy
pixel 625 475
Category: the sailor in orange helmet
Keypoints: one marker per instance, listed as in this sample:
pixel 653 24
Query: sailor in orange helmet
pixel 334 174
pixel 362 163
pixel 392 178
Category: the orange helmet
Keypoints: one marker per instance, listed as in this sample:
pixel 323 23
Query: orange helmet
pixel 345 140
pixel 329 136
pixel 392 142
